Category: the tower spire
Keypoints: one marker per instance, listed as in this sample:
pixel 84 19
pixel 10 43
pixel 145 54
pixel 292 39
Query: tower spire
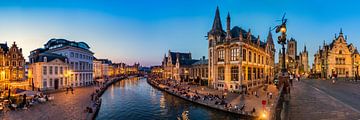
pixel 341 31
pixel 269 37
pixel 228 34
pixel 217 27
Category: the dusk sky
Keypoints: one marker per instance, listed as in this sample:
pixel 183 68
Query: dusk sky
pixel 143 31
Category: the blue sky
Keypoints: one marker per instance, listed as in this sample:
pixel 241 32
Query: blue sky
pixel 142 30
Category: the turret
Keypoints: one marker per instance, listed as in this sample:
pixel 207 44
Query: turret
pixel 228 34
pixel 269 38
pixel 217 27
pixel 241 35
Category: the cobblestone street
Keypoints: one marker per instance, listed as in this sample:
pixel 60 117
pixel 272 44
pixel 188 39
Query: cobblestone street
pixel 64 107
pixel 319 99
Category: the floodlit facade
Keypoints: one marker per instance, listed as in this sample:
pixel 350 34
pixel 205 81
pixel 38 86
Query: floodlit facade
pixel 12 67
pixel 338 58
pixel 238 60
pixel 80 59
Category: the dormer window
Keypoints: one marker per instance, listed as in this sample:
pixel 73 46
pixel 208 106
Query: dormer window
pixel 45 59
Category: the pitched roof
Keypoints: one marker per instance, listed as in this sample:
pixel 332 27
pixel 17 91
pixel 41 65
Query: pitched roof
pixel 4 47
pixel 182 56
pixel 201 62
pixel 187 62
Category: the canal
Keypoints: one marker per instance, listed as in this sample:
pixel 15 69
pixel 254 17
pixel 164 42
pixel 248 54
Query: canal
pixel 135 99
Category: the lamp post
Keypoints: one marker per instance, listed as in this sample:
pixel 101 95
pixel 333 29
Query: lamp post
pixel 282 41
pixel 284 78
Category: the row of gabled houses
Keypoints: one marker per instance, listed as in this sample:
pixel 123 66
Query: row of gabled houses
pixel 60 63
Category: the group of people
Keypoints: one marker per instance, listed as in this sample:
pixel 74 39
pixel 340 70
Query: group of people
pixel 25 103
pixel 184 90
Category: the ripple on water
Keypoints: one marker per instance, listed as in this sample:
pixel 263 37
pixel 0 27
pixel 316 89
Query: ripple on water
pixel 135 99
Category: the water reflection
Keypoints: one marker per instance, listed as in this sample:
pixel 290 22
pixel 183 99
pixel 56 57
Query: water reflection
pixel 135 99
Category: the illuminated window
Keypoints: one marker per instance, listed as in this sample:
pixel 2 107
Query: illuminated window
pixel 244 55
pixel 234 54
pixel 221 55
pixel 221 72
pixel 234 73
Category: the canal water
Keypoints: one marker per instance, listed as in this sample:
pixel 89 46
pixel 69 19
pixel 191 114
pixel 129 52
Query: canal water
pixel 135 99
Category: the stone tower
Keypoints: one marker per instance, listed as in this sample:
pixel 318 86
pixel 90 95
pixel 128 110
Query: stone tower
pixel 304 59
pixel 292 48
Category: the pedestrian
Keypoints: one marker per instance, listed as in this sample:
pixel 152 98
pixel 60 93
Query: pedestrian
pixel 72 90
pixel 291 79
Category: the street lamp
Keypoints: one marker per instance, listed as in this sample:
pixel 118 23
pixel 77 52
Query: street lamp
pixel 282 40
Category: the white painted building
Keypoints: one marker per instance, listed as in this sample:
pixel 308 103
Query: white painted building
pixel 49 71
pixel 80 59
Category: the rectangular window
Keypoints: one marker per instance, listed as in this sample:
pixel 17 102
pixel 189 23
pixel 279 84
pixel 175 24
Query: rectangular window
pixel 76 55
pixel 254 57
pixel 61 70
pixel 235 73
pixel 56 70
pixel 221 55
pixel 61 81
pixel 244 55
pixel 72 54
pixel 45 83
pixel 221 73
pixel 72 65
pixel 44 70
pixel 76 65
pixel 250 58
pixel 249 73
pixel 234 54
pixel 258 59
pixel 50 70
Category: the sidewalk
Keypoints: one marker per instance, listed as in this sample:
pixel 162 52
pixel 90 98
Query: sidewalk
pixel 64 106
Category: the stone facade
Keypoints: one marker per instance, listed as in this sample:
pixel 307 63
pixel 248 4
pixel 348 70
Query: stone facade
pixel 295 63
pixel 199 71
pixel 12 66
pixel 101 68
pixel 177 65
pixel 237 59
pixel 338 57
